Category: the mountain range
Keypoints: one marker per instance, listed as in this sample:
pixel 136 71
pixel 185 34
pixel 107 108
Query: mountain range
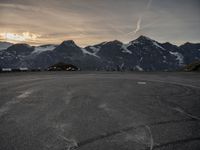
pixel 142 54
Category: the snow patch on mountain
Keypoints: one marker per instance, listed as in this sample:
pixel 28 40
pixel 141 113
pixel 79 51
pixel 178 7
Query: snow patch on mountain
pixel 134 42
pixel 121 66
pixel 125 48
pixel 95 49
pixel 157 45
pixel 139 68
pixel 89 53
pixel 179 57
pixel 40 49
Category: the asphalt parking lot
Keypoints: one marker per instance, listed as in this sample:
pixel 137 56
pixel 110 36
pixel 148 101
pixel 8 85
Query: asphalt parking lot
pixel 99 111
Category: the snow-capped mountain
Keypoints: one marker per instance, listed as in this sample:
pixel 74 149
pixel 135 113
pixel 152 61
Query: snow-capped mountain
pixel 191 52
pixel 67 52
pixel 143 54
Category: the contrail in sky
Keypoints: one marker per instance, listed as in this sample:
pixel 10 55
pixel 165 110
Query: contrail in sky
pixel 139 21
pixel 138 24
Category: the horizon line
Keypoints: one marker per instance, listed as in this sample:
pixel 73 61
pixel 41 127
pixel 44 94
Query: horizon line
pixel 41 44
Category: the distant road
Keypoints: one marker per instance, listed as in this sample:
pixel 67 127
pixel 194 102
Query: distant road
pixel 99 111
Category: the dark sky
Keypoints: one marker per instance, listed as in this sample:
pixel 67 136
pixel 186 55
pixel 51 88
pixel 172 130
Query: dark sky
pixel 93 21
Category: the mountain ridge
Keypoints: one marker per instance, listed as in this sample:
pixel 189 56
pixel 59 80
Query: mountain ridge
pixel 143 54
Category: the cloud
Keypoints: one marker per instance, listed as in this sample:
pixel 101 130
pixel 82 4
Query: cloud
pixel 24 37
pixel 93 21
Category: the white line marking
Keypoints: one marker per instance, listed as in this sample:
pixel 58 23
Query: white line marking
pixel 141 83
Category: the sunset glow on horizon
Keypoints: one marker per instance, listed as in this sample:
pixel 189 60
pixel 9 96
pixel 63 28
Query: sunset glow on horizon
pixel 15 37
pixel 91 22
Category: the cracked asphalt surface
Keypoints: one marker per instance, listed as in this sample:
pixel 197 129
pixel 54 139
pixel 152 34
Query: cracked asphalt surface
pixel 99 111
